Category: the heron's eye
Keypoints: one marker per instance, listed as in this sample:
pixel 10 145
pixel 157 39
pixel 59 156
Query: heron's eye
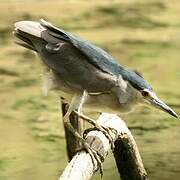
pixel 145 93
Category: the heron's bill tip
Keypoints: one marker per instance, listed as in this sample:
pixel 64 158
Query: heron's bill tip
pixel 161 105
pixel 173 114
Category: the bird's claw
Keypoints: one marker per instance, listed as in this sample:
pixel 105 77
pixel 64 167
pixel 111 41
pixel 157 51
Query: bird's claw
pixel 97 158
pixel 105 131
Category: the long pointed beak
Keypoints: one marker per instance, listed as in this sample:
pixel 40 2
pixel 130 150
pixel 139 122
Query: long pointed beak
pixel 162 106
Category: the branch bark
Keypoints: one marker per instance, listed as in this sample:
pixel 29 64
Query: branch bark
pixel 126 151
pixel 128 159
pixel 72 143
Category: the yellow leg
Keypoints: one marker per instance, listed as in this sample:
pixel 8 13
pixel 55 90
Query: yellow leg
pixel 74 105
pixel 104 130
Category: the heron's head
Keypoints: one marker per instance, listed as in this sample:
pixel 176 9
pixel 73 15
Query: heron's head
pixel 151 98
pixel 145 92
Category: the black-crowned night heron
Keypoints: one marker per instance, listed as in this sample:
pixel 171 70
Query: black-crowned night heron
pixel 85 75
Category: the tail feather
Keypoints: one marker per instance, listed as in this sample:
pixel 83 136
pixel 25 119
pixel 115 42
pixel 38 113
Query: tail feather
pixel 54 31
pixel 30 27
pixel 33 33
pixel 22 37
pixel 26 45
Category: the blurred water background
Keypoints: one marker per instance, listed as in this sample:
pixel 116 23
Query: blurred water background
pixel 140 34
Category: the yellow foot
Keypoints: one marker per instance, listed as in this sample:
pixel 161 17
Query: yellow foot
pixel 104 130
pixel 97 159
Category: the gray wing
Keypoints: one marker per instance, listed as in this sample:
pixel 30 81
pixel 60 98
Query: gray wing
pixel 49 36
pixel 96 55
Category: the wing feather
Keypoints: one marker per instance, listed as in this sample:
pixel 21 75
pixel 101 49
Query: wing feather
pixel 96 56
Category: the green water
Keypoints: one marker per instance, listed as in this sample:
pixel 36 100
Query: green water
pixel 141 35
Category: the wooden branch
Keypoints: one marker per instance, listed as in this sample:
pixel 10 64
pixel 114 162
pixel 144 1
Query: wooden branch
pixel 81 166
pixel 72 143
pixel 128 159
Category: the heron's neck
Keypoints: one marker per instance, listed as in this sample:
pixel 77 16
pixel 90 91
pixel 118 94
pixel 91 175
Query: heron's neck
pixel 132 96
